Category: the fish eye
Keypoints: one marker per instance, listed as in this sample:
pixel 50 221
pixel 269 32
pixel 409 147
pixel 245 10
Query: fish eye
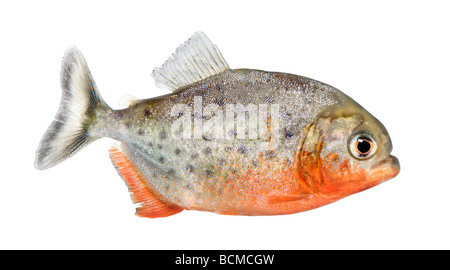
pixel 362 146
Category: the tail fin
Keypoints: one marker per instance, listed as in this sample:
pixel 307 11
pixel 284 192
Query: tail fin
pixel 70 130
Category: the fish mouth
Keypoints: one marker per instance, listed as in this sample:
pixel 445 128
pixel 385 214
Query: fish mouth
pixel 385 169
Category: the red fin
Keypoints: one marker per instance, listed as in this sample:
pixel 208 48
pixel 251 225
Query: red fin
pixel 289 198
pixel 151 206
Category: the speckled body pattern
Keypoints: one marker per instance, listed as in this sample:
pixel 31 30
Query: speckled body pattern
pixel 311 145
pixel 223 175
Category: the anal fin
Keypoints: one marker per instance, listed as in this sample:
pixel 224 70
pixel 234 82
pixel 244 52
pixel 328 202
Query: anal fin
pixel 151 206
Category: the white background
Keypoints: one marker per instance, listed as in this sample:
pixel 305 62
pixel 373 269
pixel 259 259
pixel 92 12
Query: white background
pixel 390 56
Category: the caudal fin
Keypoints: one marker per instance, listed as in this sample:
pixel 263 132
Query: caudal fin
pixel 70 130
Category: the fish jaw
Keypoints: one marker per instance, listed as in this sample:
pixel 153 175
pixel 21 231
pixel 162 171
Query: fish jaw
pixel 333 175
pixel 384 170
pixel 347 179
pixel 316 193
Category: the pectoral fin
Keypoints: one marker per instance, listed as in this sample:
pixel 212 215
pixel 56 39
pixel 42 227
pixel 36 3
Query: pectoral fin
pixel 288 198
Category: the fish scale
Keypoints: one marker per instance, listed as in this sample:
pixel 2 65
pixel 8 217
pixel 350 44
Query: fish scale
pixel 230 141
pixel 202 158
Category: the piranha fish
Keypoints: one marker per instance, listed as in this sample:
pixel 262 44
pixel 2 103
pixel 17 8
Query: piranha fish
pixel 229 141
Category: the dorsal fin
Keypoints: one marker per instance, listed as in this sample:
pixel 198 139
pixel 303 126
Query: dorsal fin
pixel 195 60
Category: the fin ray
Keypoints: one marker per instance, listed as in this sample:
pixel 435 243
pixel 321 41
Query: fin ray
pixel 151 205
pixel 70 130
pixel 195 60
pixel 288 198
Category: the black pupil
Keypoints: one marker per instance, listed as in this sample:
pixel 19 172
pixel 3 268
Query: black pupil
pixel 363 146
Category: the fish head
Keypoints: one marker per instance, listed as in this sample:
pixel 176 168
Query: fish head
pixel 347 150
